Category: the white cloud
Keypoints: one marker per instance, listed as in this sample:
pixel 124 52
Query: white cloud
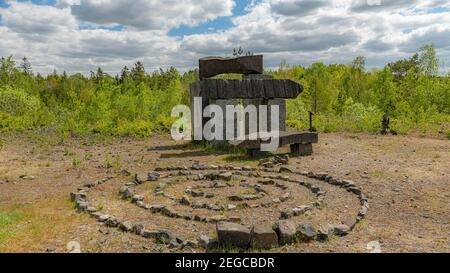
pixel 300 31
pixel 149 14
pixel 24 17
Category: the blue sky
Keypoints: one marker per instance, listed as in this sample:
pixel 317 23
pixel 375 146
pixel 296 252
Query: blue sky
pixel 218 24
pixel 79 35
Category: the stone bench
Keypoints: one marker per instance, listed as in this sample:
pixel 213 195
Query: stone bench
pixel 300 143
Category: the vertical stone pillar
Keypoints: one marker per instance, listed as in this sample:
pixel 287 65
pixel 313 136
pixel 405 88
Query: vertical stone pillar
pixel 229 120
pixel 282 111
pixel 195 92
pixel 256 103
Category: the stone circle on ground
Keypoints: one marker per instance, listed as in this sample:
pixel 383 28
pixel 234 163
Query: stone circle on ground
pixel 221 189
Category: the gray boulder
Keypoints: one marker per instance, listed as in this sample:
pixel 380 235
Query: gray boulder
pixel 208 242
pixel 234 235
pixel 306 232
pixel 286 232
pixel 264 237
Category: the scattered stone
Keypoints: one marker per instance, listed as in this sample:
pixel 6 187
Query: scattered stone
pixel 140 204
pixel 235 198
pixel 168 211
pixel 197 166
pixel 250 197
pixel 185 201
pixel 197 193
pixel 285 169
pixel 284 160
pixel 103 218
pixel 209 195
pixel 153 176
pixel 96 215
pixel 354 190
pixel 286 231
pixel 325 232
pixel 112 222
pixel 287 214
pixel 137 198
pixel 268 165
pixel 126 192
pixel 126 226
pixel 174 243
pixel 138 229
pixel 285 197
pixel 347 183
pixel 218 185
pixel 148 233
pixel 363 211
pixel 189 244
pixel 27 177
pixel 315 190
pixel 234 235
pixel 140 178
pixel 91 210
pixel 226 176
pixel 187 216
pixel 276 200
pixel 306 232
pixel 321 176
pixel 266 182
pixel 90 185
pixel 264 237
pixel 218 218
pixel 125 172
pixel 74 196
pixel 235 219
pixel 184 173
pixel 155 208
pixel 81 205
pixel 301 210
pixel 231 207
pixel 198 205
pixel 341 230
pixel 208 242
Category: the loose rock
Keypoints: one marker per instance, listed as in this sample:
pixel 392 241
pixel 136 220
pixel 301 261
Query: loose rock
pixel 264 237
pixel 286 231
pixel 208 242
pixel 306 232
pixel 235 235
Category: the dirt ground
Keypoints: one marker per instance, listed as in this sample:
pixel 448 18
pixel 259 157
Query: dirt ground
pixel 407 180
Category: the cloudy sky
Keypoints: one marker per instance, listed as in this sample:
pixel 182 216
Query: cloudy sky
pixel 80 35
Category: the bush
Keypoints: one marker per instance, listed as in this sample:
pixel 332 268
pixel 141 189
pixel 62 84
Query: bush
pixel 20 111
pixel 136 128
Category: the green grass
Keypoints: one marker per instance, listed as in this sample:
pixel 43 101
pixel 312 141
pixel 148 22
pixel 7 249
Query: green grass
pixel 7 220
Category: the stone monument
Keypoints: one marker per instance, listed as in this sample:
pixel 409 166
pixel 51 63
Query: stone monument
pixel 253 89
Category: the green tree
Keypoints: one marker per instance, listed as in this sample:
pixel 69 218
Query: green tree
pixel 384 89
pixel 428 60
pixel 138 72
pixel 401 68
pixel 25 66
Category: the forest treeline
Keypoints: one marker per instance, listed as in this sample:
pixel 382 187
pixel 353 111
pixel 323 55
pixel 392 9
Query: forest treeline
pixel 344 97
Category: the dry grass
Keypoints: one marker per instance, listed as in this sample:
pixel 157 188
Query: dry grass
pixel 27 228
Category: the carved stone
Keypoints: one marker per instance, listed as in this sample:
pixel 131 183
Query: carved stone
pixel 246 89
pixel 213 66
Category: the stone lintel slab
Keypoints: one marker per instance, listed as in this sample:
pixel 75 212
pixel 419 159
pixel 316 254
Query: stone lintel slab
pixel 285 138
pixel 213 66
pixel 246 89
